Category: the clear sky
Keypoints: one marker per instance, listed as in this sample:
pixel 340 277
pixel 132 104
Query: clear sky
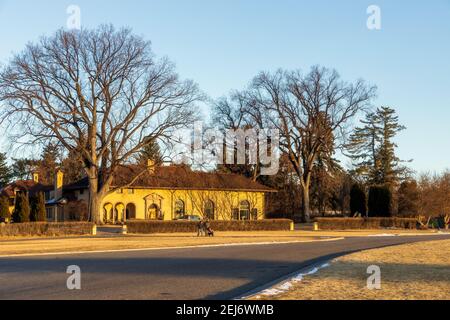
pixel 222 44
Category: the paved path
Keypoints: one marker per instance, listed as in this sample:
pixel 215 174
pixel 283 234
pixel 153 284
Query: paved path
pixel 198 273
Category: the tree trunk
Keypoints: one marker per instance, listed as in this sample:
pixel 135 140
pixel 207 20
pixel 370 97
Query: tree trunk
pixel 94 201
pixel 94 207
pixel 306 204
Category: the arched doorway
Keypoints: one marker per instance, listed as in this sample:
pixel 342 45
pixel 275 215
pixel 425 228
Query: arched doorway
pixel 209 210
pixel 153 206
pixel 153 212
pixel 130 211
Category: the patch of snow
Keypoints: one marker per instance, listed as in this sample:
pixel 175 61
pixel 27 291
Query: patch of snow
pixel 270 292
pixel 383 235
pixel 287 285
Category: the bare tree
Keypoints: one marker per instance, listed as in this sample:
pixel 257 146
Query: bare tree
pixel 311 112
pixel 234 114
pixel 434 200
pixel 100 93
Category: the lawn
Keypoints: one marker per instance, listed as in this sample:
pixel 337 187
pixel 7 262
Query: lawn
pixel 22 245
pixel 408 272
pixel 11 246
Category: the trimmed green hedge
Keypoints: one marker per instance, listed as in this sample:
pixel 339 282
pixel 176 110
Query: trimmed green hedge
pixel 141 226
pixel 46 229
pixel 365 223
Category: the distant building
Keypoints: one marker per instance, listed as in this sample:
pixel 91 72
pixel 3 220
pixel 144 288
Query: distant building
pixel 158 193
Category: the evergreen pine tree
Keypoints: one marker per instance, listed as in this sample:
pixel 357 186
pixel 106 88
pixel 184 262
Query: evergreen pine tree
pixel 22 209
pixel 4 209
pixel 391 169
pixel 358 200
pixel 150 151
pixel 372 149
pixel 22 168
pixel 380 201
pixel 363 149
pixel 72 167
pixel 38 212
pixel 50 159
pixel 5 171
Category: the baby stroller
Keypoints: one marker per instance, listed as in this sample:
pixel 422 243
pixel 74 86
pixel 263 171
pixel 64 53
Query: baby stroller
pixel 209 230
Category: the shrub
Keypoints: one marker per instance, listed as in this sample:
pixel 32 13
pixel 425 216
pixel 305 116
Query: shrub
pixel 22 209
pixel 38 208
pixel 137 226
pixel 408 199
pixel 380 201
pixel 365 223
pixel 46 229
pixel 4 209
pixel 358 200
pixel 77 210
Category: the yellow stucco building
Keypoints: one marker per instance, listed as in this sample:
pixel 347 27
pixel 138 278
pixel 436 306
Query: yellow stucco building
pixel 159 193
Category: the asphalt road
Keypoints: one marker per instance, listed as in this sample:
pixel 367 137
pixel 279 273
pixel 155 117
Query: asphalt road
pixel 198 273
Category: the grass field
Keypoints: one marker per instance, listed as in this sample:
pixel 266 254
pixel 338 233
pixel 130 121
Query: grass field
pixel 21 245
pixel 89 243
pixel 408 272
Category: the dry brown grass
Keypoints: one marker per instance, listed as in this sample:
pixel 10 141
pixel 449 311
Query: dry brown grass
pixel 364 233
pixel 51 245
pixel 408 272
pixel 22 245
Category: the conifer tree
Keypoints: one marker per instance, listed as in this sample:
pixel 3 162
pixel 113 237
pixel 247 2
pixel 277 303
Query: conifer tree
pixel 72 167
pixel 50 159
pixel 22 168
pixel 22 209
pixel 150 151
pixel 380 201
pixel 372 149
pixel 4 208
pixel 5 171
pixel 38 212
pixel 358 200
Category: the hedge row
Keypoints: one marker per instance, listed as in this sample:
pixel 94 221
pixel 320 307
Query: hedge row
pixel 139 226
pixel 46 229
pixel 365 223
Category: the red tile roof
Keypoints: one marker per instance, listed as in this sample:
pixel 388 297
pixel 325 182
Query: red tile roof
pixel 177 177
pixel 24 185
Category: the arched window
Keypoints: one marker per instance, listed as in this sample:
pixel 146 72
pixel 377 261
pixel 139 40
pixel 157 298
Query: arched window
pixel 179 209
pixel 244 210
pixel 131 211
pixel 209 210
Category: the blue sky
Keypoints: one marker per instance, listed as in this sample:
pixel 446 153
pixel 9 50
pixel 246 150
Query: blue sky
pixel 222 44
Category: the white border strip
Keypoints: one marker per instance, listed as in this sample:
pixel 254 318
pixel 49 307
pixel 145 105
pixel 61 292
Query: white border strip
pixel 286 285
pixel 165 248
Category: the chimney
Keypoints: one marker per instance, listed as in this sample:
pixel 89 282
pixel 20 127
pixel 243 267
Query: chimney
pixel 36 177
pixel 151 166
pixel 59 178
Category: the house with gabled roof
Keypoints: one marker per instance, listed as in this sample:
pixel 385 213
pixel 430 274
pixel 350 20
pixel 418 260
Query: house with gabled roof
pixel 154 193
